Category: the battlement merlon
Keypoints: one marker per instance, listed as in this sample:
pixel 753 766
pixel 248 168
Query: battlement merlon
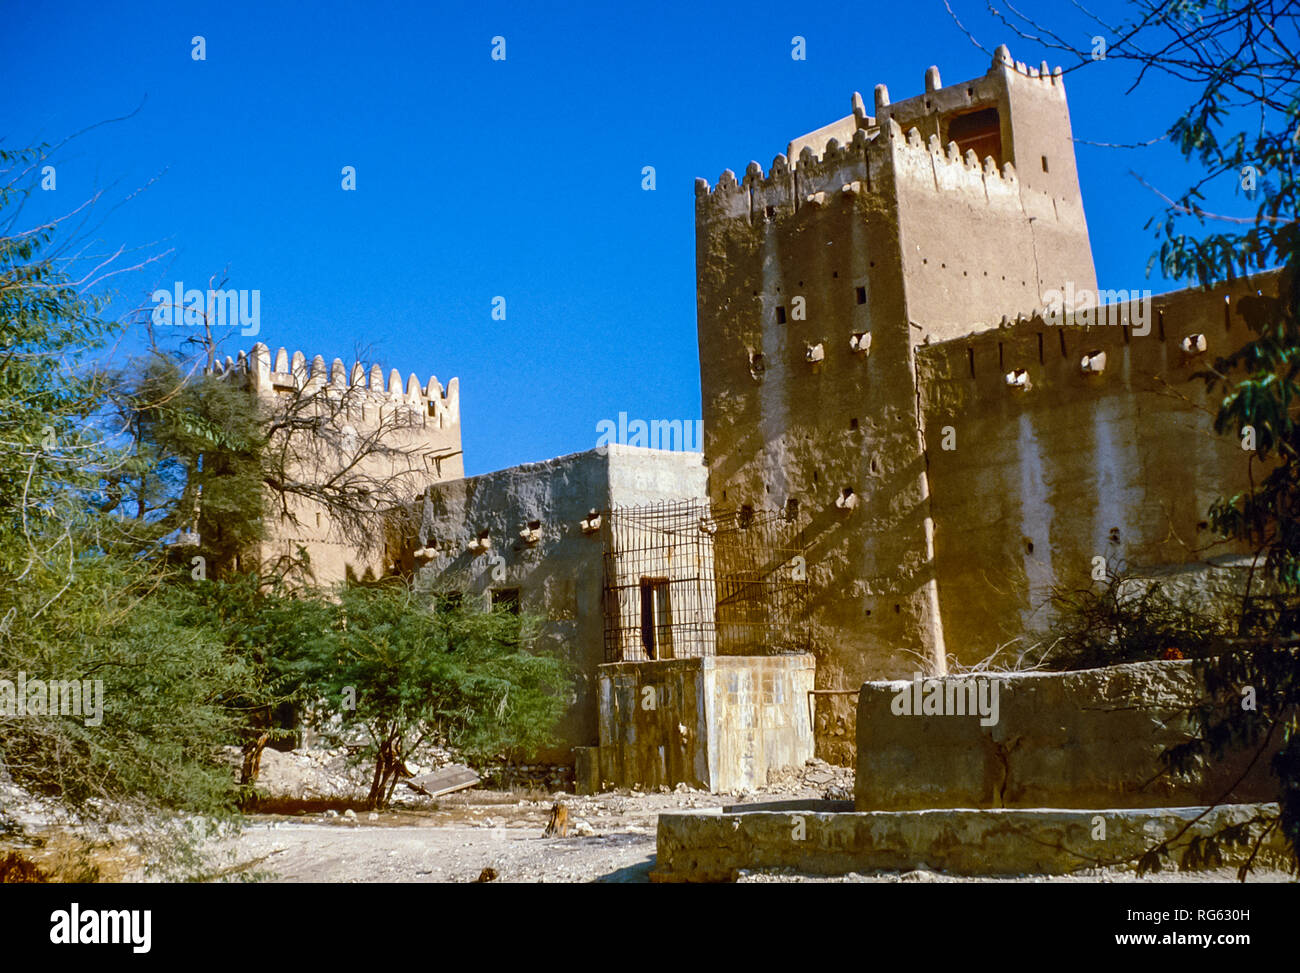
pixel 283 372
pixel 1014 114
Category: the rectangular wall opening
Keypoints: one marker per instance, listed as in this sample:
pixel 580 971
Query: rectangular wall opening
pixel 979 131
pixel 656 618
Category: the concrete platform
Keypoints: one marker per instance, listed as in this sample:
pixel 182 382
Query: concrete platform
pixel 711 845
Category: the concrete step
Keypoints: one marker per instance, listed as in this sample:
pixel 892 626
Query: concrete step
pixel 712 845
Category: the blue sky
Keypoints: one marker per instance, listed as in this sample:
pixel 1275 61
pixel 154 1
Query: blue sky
pixel 479 178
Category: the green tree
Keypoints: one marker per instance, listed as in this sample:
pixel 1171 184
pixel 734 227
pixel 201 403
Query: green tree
pixel 400 670
pixel 79 587
pixel 272 629
pixel 195 460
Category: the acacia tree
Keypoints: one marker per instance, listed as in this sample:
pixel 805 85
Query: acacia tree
pixel 214 465
pixel 76 583
pixel 401 669
pixel 1239 62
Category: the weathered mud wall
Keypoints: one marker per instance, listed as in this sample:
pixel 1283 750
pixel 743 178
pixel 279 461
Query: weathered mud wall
pixel 560 575
pixel 1118 460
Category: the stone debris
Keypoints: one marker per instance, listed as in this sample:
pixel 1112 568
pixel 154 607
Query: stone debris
pixel 816 779
pixel 337 773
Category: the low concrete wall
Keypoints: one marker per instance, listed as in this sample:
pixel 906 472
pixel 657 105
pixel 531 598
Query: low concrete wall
pixel 712 846
pixel 719 723
pixel 1087 739
pixel 653 723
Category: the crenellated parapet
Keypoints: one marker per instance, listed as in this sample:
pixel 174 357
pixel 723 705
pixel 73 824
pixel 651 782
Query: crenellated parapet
pixel 875 162
pixel 286 372
pixel 1124 342
pixel 948 170
pixel 901 143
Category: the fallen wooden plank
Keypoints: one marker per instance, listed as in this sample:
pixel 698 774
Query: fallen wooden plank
pixel 445 780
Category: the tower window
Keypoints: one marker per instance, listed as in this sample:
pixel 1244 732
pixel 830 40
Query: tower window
pixel 980 131
pixel 1044 163
pixel 780 315
pixel 862 295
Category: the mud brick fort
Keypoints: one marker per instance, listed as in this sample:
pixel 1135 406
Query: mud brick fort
pixel 903 451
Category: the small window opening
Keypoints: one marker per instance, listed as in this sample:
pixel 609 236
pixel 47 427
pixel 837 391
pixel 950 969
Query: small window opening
pixel 656 618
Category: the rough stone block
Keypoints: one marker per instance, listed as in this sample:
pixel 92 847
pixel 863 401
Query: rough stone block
pixel 1086 739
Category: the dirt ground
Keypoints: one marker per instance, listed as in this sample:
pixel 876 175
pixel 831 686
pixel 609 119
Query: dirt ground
pixel 313 828
pixel 611 838
pixel 478 830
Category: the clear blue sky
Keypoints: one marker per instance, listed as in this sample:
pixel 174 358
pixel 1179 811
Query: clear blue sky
pixel 478 178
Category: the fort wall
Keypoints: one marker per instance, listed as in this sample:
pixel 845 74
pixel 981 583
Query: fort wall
pixel 471 541
pixel 840 295
pixel 1107 450
pixel 417 427
pixel 806 372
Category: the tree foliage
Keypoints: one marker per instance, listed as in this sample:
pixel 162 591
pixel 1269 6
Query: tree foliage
pixel 402 669
pixel 80 600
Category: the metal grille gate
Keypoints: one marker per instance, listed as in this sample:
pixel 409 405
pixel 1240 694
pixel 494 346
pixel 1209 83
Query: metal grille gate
pixel 682 582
